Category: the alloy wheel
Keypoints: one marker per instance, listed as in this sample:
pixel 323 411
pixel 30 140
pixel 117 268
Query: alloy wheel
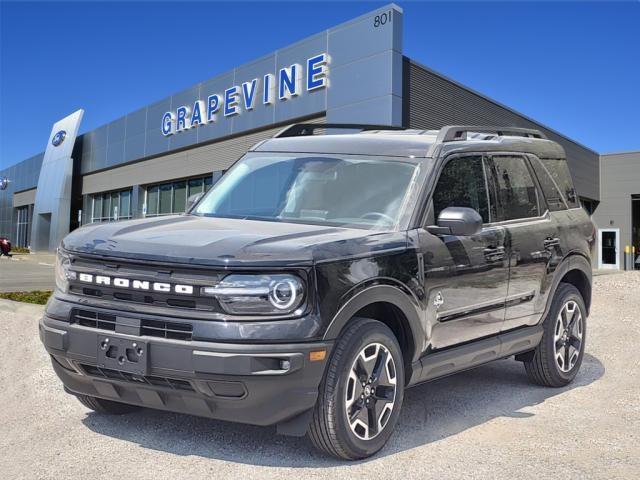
pixel 568 335
pixel 371 391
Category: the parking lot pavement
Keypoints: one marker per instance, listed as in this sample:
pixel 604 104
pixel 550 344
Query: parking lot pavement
pixel 484 423
pixel 27 272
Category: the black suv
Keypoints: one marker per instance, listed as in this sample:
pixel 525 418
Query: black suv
pixel 325 273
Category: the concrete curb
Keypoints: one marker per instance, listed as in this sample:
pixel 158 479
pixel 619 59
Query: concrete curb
pixel 20 307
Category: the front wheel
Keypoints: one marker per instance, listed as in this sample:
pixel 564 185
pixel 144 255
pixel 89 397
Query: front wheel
pixel 557 359
pixel 361 394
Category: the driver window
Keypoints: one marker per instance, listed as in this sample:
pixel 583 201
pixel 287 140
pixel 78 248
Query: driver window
pixel 462 184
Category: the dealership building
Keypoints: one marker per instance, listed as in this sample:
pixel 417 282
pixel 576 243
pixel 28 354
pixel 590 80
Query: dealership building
pixel 150 161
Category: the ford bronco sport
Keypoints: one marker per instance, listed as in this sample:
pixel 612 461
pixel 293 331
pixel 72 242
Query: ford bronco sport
pixel 325 273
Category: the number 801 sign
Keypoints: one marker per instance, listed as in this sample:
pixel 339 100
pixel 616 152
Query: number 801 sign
pixel 382 19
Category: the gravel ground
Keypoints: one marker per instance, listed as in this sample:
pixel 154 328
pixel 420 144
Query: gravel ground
pixel 485 423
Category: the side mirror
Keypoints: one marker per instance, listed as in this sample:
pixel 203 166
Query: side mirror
pixel 460 221
pixel 193 199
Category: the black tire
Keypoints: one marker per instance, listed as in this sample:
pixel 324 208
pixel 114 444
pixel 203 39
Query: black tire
pixel 543 368
pixel 107 407
pixel 330 429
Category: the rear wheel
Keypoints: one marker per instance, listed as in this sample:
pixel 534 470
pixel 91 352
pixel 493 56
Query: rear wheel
pixel 557 359
pixel 361 394
pixel 108 407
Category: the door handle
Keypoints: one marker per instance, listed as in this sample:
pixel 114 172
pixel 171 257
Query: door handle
pixel 550 242
pixel 493 254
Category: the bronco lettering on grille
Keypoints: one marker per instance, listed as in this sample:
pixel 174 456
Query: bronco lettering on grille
pixel 143 285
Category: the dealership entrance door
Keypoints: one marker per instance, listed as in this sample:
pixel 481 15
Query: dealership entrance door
pixel 635 230
pixel 609 246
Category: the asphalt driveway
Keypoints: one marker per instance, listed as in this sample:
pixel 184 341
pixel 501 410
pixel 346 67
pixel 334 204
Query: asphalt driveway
pixel 27 272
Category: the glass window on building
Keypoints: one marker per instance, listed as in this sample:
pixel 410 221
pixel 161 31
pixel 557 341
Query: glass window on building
pixel 152 200
pixel 171 198
pixel 164 205
pixel 125 204
pixel 111 206
pixel 179 196
pixel 23 224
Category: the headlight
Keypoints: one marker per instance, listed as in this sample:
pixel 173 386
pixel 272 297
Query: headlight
pixel 258 294
pixel 63 274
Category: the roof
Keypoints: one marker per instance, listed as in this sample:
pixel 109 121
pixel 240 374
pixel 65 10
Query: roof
pixel 410 143
pixel 626 152
pixel 380 143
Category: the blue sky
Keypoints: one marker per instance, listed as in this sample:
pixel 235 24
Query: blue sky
pixel 572 66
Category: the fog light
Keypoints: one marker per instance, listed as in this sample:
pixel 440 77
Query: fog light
pixel 285 364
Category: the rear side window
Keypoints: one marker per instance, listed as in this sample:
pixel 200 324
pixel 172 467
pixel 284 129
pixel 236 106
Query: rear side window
pixel 555 201
pixel 462 184
pixel 559 171
pixel 516 195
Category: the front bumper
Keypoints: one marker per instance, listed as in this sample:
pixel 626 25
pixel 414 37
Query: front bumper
pixel 247 383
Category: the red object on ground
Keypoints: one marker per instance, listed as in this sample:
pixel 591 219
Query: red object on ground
pixel 5 246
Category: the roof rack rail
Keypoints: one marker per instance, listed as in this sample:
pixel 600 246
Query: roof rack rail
pixel 452 133
pixel 306 129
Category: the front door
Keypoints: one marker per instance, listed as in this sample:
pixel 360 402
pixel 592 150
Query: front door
pixel 465 276
pixel 608 248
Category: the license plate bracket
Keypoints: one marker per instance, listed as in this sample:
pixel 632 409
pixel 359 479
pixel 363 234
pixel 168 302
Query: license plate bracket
pixel 122 354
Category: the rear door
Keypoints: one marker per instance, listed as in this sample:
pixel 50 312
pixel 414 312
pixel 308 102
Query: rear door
pixel 465 276
pixel 532 240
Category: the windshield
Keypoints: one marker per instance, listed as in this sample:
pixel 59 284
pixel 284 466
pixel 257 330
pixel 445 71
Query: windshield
pixel 320 190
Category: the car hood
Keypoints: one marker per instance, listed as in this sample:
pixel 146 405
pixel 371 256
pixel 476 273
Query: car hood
pixel 222 241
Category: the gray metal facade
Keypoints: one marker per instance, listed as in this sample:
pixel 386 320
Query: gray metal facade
pixel 619 180
pixel 365 75
pixel 52 207
pixel 22 176
pixel 369 81
pixel 433 101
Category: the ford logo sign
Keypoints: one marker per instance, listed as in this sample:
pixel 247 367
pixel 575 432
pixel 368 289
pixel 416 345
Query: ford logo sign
pixel 4 183
pixel 58 138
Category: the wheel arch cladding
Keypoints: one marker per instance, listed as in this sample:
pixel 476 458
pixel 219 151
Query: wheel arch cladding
pixel 580 276
pixel 574 270
pixel 389 305
pixel 579 279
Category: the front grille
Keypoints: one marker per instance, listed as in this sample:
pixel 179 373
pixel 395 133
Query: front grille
pixel 102 321
pixel 171 274
pixel 149 328
pixel 160 328
pixel 173 383
pixel 196 302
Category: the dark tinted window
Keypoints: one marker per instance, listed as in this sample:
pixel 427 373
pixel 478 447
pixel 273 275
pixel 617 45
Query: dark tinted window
pixel 516 194
pixel 550 190
pixel 462 184
pixel 559 171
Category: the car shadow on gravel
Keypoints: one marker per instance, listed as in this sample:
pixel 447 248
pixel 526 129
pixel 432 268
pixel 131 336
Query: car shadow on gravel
pixel 431 412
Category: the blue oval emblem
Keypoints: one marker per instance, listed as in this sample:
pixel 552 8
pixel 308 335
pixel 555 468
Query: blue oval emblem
pixel 4 183
pixel 58 138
